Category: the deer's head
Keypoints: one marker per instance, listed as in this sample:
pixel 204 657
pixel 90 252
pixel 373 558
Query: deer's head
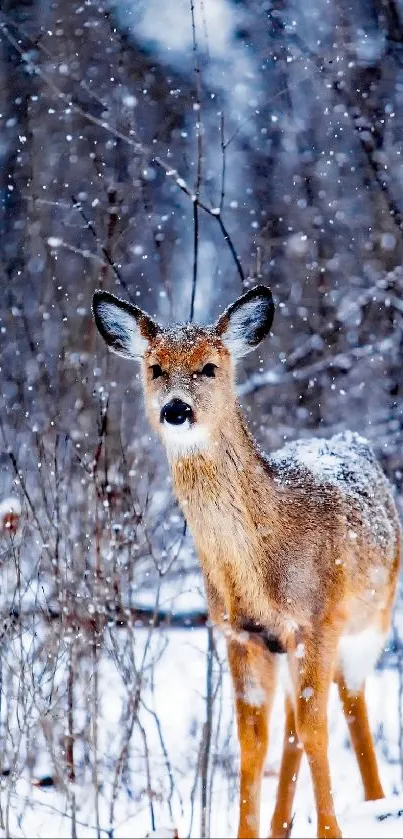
pixel 188 370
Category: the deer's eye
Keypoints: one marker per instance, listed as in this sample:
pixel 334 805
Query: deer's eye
pixel 209 370
pixel 157 371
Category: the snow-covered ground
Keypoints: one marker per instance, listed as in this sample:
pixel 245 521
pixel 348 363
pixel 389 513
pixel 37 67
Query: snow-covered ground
pixel 175 695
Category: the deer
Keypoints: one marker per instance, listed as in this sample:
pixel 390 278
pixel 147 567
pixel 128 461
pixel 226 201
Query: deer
pixel 300 550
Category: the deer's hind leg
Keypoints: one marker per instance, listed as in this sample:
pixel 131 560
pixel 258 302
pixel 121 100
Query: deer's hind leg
pixel 355 711
pixel 253 672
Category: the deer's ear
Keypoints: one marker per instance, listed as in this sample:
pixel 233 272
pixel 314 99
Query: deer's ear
pixel 126 329
pixel 247 321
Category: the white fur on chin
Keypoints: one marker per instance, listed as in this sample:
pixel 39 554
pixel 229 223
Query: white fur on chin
pixel 181 440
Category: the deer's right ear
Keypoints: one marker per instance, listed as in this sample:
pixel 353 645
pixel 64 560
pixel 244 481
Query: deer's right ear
pixel 244 324
pixel 126 329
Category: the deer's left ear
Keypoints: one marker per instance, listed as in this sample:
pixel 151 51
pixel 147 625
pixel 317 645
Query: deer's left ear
pixel 126 329
pixel 247 321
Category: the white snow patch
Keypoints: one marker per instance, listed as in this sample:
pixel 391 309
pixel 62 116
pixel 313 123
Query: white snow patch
pixel 167 29
pixel 254 694
pixel 291 625
pixel 307 693
pixel 284 675
pixel 383 818
pixel 178 699
pixel 55 241
pixel 347 462
pixel 323 458
pixel 173 31
pixel 298 244
pixel 358 655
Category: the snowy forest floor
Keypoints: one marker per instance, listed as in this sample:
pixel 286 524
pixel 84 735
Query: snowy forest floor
pixel 172 706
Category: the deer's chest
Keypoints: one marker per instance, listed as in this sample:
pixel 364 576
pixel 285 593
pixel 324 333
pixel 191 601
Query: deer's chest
pixel 232 553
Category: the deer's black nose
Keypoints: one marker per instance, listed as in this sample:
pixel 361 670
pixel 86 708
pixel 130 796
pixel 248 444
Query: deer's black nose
pixel 176 412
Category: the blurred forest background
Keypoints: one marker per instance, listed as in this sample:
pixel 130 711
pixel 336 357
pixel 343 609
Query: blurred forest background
pixel 173 153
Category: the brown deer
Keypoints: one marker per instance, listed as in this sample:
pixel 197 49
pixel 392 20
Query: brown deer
pixel 300 551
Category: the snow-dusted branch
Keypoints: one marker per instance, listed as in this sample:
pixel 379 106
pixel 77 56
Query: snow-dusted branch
pixel 138 147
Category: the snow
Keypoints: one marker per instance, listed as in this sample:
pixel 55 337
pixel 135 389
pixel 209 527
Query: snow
pixel 177 38
pixel 294 183
pixel 231 71
pixel 358 655
pixel 324 458
pixel 307 693
pixel 177 696
pixel 345 461
pixel 254 693
pixel 375 818
pixel 167 31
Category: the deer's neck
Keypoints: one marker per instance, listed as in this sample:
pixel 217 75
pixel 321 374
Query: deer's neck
pixel 231 459
pixel 229 500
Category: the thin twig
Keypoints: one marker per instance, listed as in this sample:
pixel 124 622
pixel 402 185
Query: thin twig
pixel 133 706
pixel 165 753
pixel 25 490
pixel 95 723
pixel 259 380
pixel 147 762
pixel 223 161
pixel 110 233
pixel 207 733
pixel 351 104
pixel 138 146
pixel 70 741
pixel 90 226
pixel 195 256
pixel 199 163
pixel 231 247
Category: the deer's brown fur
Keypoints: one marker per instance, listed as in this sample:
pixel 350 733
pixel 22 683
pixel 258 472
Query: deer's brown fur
pixel 310 561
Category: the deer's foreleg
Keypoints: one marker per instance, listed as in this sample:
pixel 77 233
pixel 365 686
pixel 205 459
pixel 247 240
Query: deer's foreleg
pixel 253 671
pixel 281 823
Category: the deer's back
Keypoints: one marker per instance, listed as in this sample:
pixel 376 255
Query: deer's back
pixel 343 473
pixel 347 464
